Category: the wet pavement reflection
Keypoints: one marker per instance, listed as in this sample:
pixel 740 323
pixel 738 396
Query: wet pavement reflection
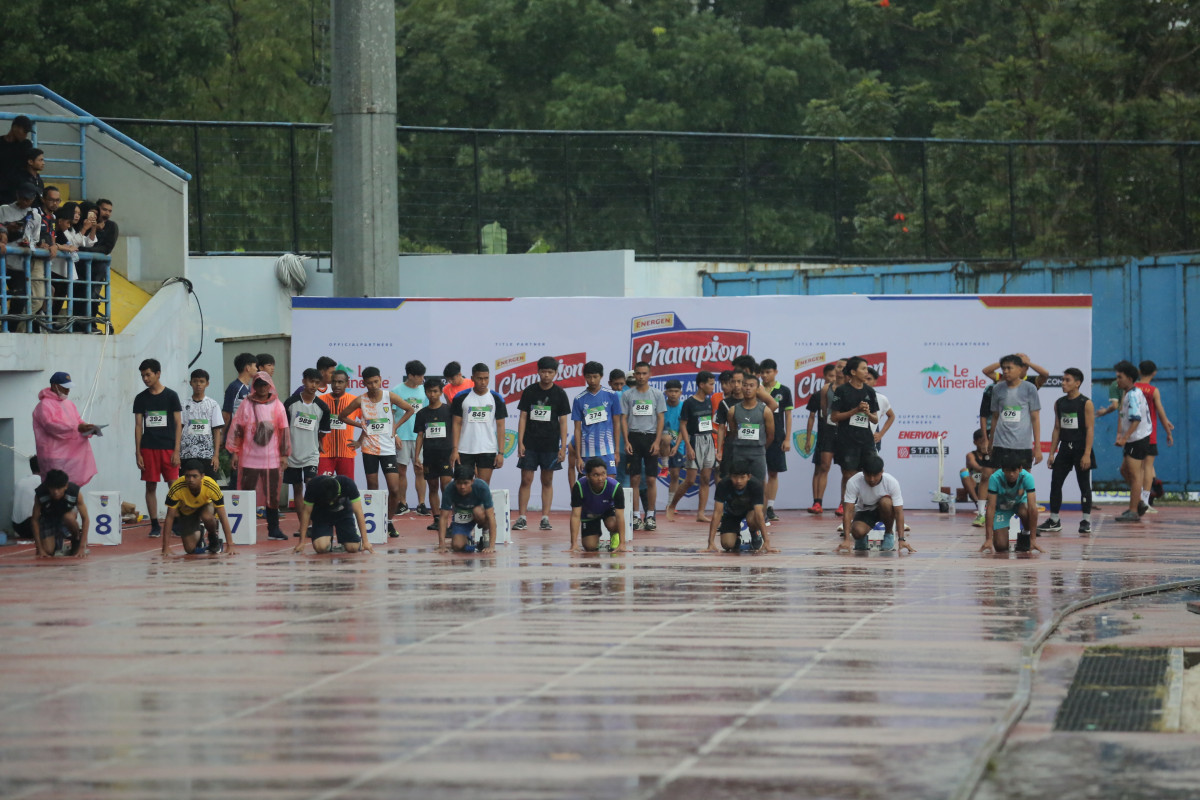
pixel 533 673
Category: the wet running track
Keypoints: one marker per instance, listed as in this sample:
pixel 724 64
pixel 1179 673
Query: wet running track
pixel 661 673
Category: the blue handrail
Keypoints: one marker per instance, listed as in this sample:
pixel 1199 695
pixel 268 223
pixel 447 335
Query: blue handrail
pixel 78 300
pixel 84 118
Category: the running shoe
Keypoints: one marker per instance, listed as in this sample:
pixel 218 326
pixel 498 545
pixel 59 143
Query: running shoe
pixel 651 524
pixel 546 526
pixel 1127 516
pixel 1142 508
pixel 155 532
pixel 862 544
pixel 432 526
pixel 1085 526
pixel 841 509
pixel 484 541
pixel 771 515
pixel 1050 526
pixel 638 525
pixel 402 509
pixel 756 541
pixel 1023 540
pixel 423 510
pixel 614 542
pixel 815 508
pixel 841 529
pixel 392 530
pixel 278 535
pixel 889 542
pixel 978 521
pixel 200 550
pixel 520 525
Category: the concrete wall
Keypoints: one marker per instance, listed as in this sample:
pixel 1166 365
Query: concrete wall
pixel 165 329
pixel 599 274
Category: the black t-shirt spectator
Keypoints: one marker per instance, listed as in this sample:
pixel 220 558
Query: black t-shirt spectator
pixel 544 407
pixel 53 510
pixel 693 411
pixel 158 418
pixel 858 428
pixel 782 395
pixel 13 156
pixel 106 238
pixel 323 513
pixel 439 418
pixel 739 504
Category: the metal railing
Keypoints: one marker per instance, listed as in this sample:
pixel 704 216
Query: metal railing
pixel 34 299
pixel 267 188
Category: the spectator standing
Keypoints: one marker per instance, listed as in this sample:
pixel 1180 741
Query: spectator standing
pixel 60 435
pixel 93 275
pixel 20 224
pixel 14 150
pixel 157 430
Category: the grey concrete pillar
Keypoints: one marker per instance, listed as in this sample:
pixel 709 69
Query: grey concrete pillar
pixel 365 218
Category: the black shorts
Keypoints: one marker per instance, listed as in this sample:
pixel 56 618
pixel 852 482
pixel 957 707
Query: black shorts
pixel 594 527
pixel 730 523
pixel 985 460
pixel 826 438
pixel 344 524
pixel 436 464
pixel 641 462
pixel 477 461
pixel 867 515
pixel 1137 450
pixel 1024 455
pixel 372 464
pixel 1068 456
pixel 776 458
pixel 534 460
pixel 851 454
pixel 294 475
pixel 1152 448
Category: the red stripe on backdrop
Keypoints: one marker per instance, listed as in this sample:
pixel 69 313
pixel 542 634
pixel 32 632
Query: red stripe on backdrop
pixel 1037 301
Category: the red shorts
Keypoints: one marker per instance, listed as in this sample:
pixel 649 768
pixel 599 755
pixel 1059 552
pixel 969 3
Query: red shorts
pixel 336 466
pixel 158 463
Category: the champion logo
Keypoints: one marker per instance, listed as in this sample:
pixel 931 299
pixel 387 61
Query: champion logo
pixel 510 384
pixel 681 353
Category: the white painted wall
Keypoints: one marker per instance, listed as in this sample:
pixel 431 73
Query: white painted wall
pixel 596 274
pixel 164 330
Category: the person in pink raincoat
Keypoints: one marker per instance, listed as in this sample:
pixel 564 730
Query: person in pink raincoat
pixel 259 441
pixel 61 435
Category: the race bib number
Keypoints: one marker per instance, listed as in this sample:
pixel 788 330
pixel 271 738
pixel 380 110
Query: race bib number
pixel 595 415
pixel 860 421
pixel 749 431
pixel 704 424
pixel 1010 414
pixel 1069 422
pixel 540 414
pixel 305 422
pixel 480 414
pixel 337 425
pixel 463 517
pixel 377 427
pixel 199 427
pixel 643 409
pixel 435 430
pixel 156 419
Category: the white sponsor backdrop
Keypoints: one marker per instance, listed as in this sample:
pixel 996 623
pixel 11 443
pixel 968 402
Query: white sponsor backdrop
pixel 929 350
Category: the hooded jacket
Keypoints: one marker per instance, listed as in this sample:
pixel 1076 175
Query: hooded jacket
pixel 258 431
pixel 60 445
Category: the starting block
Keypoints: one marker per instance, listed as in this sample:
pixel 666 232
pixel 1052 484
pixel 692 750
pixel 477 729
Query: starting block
pixel 243 522
pixel 105 510
pixel 375 514
pixel 502 511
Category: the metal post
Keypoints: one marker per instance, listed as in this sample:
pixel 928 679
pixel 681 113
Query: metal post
pixel 567 195
pixel 745 200
pixel 366 238
pixel 295 193
pixel 478 206
pixel 1183 207
pixel 198 182
pixel 837 228
pixel 654 195
pixel 1098 203
pixel 925 198
pixel 1012 207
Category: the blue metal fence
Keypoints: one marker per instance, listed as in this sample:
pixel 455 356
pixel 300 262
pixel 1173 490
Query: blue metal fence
pixel 35 300
pixel 1140 310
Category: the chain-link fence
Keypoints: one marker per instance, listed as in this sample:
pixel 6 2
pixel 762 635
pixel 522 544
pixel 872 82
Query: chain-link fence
pixel 267 188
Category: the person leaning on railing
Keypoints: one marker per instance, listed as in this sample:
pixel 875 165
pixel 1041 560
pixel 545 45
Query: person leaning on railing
pixel 20 224
pixel 93 274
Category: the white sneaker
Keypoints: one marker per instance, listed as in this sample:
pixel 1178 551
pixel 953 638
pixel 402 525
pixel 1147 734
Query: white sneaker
pixel 841 529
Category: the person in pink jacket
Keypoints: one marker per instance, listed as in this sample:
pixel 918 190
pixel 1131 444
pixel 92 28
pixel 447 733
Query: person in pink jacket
pixel 259 441
pixel 61 435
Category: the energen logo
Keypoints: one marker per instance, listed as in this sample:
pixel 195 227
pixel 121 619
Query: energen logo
pixel 809 378
pixel 512 382
pixel 680 353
